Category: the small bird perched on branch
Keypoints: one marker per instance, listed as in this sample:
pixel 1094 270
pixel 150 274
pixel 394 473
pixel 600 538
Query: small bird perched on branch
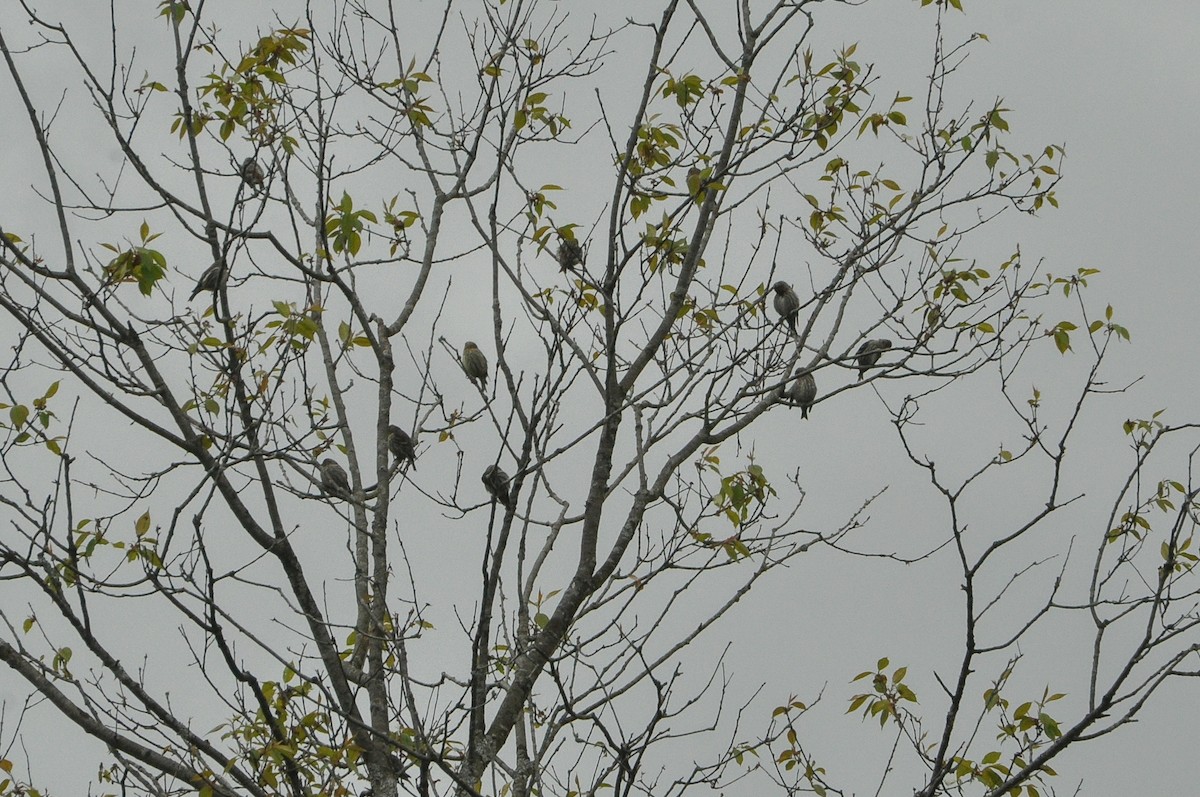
pixel 475 364
pixel 787 303
pixel 400 443
pixel 252 174
pixel 804 392
pixel 496 483
pixel 570 254
pixel 334 480
pixel 210 280
pixel 868 354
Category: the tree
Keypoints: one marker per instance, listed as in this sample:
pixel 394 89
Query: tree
pixel 351 188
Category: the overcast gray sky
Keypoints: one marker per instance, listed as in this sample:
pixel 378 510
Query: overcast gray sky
pixel 1117 84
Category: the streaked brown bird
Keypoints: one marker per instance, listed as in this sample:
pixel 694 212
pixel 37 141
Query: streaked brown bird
pixel 804 392
pixel 868 354
pixel 787 303
pixel 334 480
pixel 400 443
pixel 210 280
pixel 570 254
pixel 475 364
pixel 252 173
pixel 496 483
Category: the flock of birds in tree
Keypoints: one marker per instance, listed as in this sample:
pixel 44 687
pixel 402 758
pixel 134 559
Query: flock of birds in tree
pixel 803 392
pixel 336 483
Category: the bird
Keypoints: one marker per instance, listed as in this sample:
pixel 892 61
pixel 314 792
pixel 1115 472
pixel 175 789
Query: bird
pixel 400 443
pixel 210 280
pixel 334 480
pixel 474 363
pixel 570 254
pixel 868 354
pixel 804 392
pixel 252 173
pixel 496 483
pixel 787 303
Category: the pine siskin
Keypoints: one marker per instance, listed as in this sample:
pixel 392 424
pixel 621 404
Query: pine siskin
pixel 400 443
pixel 787 303
pixel 804 392
pixel 334 480
pixel 210 280
pixel 496 482
pixel 868 354
pixel 475 364
pixel 252 174
pixel 570 254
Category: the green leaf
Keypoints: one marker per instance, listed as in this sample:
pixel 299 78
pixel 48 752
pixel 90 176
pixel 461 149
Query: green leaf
pixel 1062 340
pixel 1052 729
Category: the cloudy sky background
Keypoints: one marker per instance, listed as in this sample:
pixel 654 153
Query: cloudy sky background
pixel 1116 83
